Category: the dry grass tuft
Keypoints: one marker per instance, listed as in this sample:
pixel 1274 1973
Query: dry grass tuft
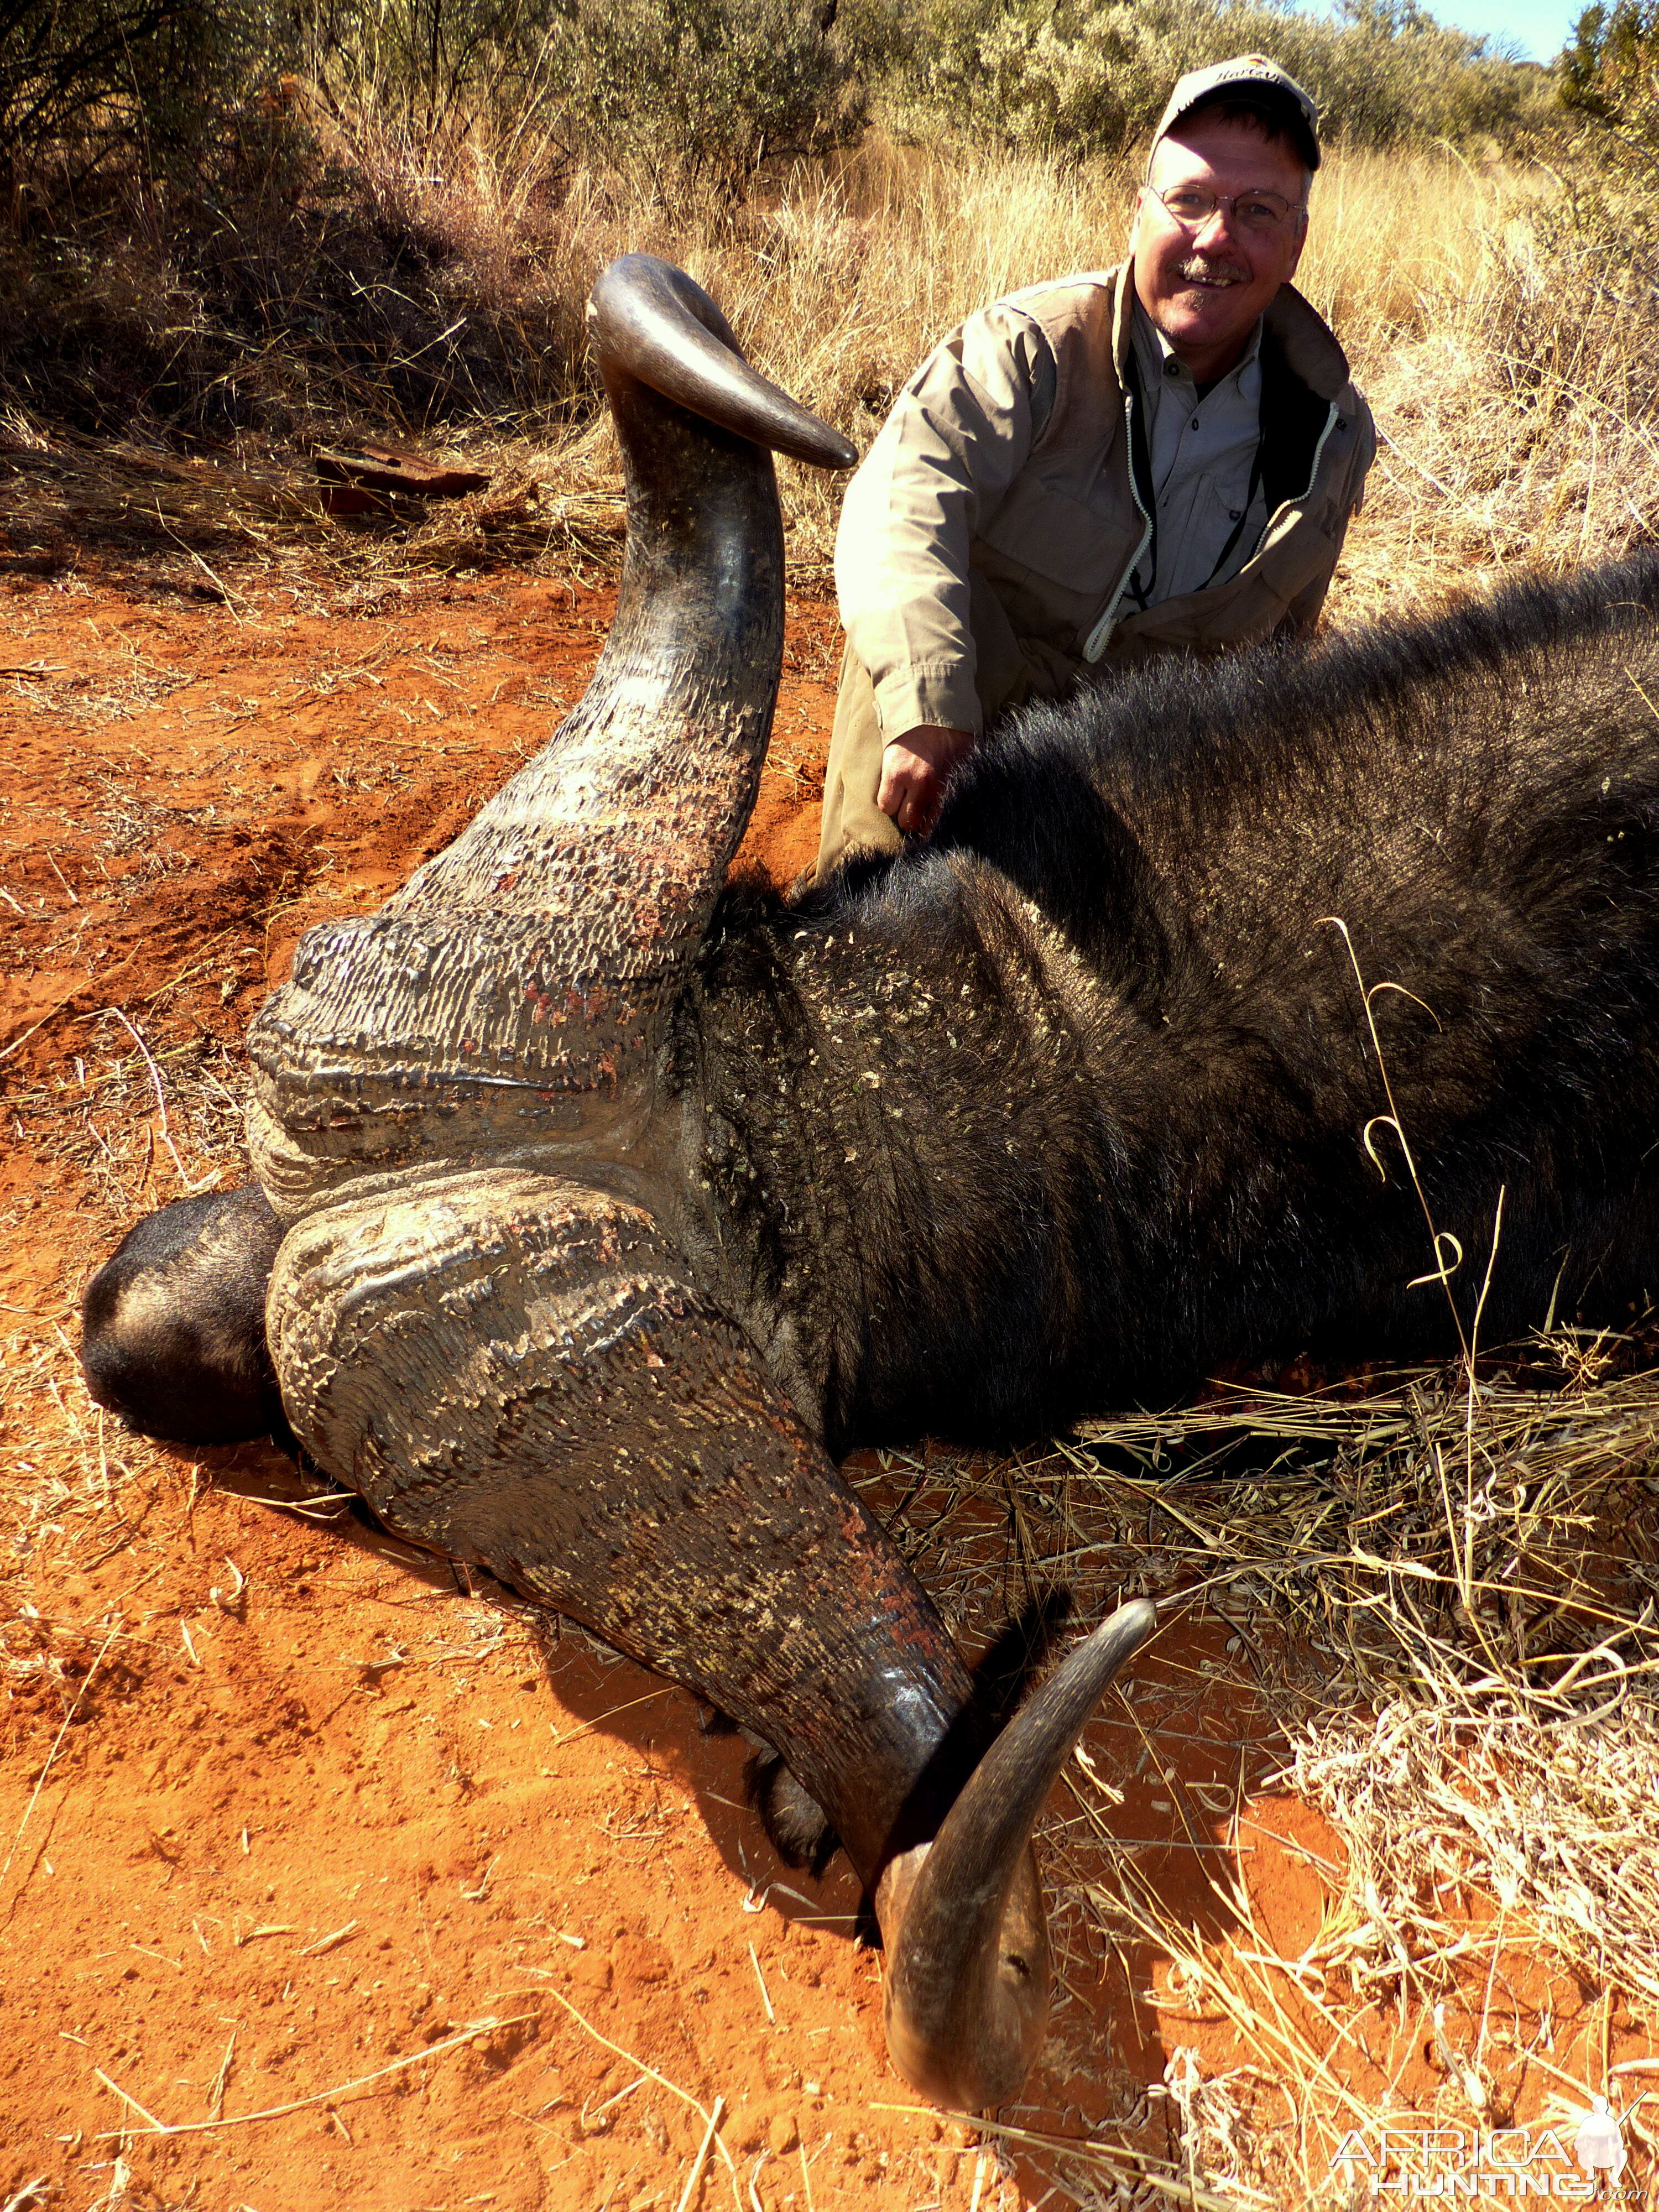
pixel 1444 1605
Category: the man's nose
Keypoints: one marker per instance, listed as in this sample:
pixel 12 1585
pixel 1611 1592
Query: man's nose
pixel 1217 232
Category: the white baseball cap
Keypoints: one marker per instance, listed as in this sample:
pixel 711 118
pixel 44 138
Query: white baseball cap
pixel 1247 73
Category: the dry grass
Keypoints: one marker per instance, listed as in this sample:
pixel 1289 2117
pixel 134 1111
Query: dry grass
pixel 1502 338
pixel 1444 1613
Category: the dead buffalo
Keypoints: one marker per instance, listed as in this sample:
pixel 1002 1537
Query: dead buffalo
pixel 617 1205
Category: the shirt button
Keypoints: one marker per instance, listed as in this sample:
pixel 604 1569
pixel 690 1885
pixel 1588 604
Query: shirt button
pixel 1196 424
pixel 1172 368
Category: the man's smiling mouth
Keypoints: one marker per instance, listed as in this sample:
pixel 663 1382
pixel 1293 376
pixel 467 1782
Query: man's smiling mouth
pixel 1208 279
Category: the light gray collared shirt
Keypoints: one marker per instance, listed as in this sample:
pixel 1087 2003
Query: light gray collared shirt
pixel 1202 452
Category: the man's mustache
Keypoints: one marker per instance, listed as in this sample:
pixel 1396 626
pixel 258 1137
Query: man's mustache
pixel 1203 265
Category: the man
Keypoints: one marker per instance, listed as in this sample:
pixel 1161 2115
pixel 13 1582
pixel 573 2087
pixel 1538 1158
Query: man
pixel 1161 457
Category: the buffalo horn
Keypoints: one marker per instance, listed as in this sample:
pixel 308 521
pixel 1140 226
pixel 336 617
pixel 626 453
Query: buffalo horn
pixel 967 1978
pixel 516 989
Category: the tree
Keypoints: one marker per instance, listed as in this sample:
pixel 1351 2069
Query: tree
pixel 1611 69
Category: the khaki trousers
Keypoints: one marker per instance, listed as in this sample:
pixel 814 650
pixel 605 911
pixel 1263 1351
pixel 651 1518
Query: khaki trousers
pixel 851 821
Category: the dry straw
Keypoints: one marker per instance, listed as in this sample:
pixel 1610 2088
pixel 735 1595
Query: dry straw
pixel 1453 1643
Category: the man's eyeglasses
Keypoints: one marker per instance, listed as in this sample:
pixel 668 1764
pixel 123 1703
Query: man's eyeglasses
pixel 1191 206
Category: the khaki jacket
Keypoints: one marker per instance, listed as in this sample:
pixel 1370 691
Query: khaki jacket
pixel 987 538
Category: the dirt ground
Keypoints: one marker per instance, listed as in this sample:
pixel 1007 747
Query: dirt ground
pixel 322 1882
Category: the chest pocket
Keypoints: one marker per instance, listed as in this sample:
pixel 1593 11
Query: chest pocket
pixel 1296 552
pixel 1081 546
pixel 1222 530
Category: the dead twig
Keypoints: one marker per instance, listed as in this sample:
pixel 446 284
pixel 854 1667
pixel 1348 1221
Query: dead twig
pixel 468 2034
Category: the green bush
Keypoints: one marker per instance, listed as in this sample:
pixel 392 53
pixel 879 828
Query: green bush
pixel 696 89
pixel 425 61
pixel 677 90
pixel 1088 77
pixel 703 88
pixel 81 78
pixel 1610 72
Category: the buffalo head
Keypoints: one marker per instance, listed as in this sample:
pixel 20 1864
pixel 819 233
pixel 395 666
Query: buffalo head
pixel 483 1316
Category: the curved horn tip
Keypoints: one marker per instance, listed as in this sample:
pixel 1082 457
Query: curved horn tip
pixel 967 1997
pixel 1129 1626
pixel 656 323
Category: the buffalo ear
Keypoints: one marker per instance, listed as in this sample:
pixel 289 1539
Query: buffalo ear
pixel 796 1827
pixel 173 1323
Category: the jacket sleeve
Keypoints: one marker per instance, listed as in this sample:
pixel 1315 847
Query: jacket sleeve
pixel 959 434
pixel 1302 613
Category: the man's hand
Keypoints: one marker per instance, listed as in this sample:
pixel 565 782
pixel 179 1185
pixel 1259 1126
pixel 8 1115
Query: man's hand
pixel 916 769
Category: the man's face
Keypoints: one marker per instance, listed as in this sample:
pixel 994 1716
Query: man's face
pixel 1204 285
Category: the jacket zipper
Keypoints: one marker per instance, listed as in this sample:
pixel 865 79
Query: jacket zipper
pixel 1313 473
pixel 1096 643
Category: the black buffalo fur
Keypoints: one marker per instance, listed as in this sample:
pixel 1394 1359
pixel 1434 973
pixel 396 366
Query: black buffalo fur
pixel 173 1323
pixel 1068 1106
